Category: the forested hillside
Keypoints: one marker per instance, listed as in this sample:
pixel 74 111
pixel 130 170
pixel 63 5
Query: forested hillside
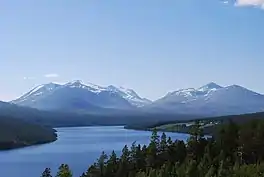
pixel 179 124
pixel 236 151
pixel 69 119
pixel 15 133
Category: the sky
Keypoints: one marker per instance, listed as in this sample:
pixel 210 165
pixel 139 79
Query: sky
pixel 151 46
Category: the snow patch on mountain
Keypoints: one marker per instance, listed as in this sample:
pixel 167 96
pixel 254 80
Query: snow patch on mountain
pixel 89 86
pixel 193 93
pixel 37 92
pixel 212 99
pixel 128 94
pixel 209 87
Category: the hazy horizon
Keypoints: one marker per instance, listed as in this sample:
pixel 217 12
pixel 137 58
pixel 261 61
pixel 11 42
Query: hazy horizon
pixel 148 46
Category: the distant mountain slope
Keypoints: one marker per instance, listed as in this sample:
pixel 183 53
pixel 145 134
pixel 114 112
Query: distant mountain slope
pixel 68 119
pixel 130 95
pixel 211 100
pixel 79 96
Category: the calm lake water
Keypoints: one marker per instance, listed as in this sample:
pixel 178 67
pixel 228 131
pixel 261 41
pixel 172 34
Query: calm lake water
pixel 77 146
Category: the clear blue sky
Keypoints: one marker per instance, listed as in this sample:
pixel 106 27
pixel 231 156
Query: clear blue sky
pixel 152 46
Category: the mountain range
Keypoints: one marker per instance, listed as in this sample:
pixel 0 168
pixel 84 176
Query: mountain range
pixel 208 100
pixel 211 100
pixel 76 95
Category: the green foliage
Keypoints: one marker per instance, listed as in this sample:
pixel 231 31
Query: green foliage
pixel 64 171
pixel 236 151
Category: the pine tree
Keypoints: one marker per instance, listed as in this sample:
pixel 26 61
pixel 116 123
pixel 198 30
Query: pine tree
pixel 64 171
pixel 47 173
pixel 163 142
pixel 133 154
pixel 153 149
pixel 125 154
pixel 124 162
pixel 155 139
pixel 101 163
pixel 112 165
pixel 92 171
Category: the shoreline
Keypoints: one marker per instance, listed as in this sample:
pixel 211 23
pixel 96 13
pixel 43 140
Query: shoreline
pixel 21 146
pixel 158 130
pixel 185 131
pixel 12 145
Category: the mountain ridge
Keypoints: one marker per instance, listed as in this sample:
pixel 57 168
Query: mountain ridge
pixel 210 99
pixel 86 95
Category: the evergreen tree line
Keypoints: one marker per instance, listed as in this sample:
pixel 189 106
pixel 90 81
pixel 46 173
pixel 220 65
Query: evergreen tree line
pixel 235 151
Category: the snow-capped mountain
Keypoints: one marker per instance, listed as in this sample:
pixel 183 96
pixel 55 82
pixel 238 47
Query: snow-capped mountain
pixel 130 95
pixel 189 94
pixel 79 95
pixel 37 92
pixel 209 87
pixel 211 99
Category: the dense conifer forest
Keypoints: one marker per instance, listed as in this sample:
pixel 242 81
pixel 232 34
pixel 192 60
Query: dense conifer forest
pixel 235 151
pixel 15 133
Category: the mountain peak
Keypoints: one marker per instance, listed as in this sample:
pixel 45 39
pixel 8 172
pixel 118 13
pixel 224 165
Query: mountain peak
pixel 48 86
pixel 112 88
pixel 81 84
pixel 123 90
pixel 130 95
pixel 210 86
pixel 75 82
pixel 46 90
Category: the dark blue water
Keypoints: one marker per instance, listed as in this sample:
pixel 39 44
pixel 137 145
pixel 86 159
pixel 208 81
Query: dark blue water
pixel 79 147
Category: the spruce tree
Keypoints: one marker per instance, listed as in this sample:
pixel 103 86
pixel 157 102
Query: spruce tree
pixel 112 165
pixel 163 142
pixel 101 163
pixel 155 139
pixel 64 171
pixel 46 173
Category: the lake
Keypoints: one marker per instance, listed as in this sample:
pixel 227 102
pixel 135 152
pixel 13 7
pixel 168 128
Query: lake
pixel 77 146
